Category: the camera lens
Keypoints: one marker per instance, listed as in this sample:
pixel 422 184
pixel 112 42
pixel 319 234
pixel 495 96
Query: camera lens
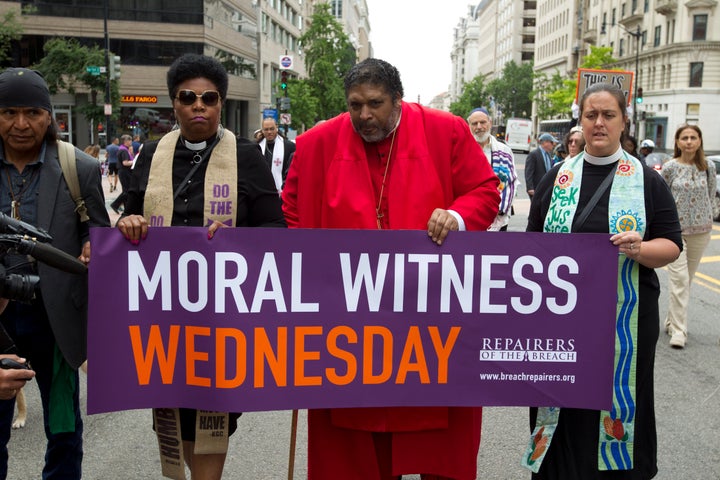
pixel 18 287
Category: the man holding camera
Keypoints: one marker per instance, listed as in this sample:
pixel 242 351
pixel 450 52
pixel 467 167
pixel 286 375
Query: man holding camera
pixel 50 331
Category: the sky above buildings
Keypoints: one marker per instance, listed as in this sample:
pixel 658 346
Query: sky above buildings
pixel 416 36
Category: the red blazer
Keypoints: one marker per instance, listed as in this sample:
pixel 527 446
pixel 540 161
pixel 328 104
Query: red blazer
pixel 436 164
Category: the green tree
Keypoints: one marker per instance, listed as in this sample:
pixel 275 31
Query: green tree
pixel 473 96
pixel 305 104
pixel 555 96
pixel 10 29
pixel 328 57
pixel 512 91
pixel 599 58
pixel 65 69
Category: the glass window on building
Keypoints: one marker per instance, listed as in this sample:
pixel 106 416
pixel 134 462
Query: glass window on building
pixel 336 8
pixel 150 122
pixel 696 74
pixel 658 33
pixel 63 120
pixel 699 27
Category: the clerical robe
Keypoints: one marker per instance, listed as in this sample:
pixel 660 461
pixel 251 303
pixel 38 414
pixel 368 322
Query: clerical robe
pixel 334 183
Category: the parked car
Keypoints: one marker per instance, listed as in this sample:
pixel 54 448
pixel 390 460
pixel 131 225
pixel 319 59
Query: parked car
pixel 716 205
pixel 656 160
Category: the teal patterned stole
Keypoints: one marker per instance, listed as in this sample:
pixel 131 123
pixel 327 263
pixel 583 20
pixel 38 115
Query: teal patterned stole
pixel 626 212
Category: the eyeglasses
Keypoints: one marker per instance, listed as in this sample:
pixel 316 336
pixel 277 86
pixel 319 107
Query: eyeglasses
pixel 189 97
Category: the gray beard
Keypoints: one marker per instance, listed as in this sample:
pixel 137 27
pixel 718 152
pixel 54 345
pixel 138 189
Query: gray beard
pixel 384 131
pixel 482 138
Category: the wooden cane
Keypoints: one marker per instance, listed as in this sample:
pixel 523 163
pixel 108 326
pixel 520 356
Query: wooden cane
pixel 293 437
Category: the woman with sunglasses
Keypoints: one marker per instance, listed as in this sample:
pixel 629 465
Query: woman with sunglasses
pixel 172 184
pixel 574 141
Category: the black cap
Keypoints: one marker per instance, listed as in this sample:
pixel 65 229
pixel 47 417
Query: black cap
pixel 20 87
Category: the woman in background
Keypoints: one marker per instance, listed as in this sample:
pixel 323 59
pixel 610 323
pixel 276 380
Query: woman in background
pixel 630 146
pixel 93 151
pixel 692 181
pixel 574 141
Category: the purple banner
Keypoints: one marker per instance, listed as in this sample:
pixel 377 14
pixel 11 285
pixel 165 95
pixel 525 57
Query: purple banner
pixel 273 319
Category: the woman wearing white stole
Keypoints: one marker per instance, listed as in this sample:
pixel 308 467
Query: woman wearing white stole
pixel 198 175
pixel 606 190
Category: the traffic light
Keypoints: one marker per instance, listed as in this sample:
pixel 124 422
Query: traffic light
pixel 115 67
pixel 639 98
pixel 283 80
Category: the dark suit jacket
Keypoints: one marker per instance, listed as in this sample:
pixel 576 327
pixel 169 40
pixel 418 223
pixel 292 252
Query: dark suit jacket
pixel 65 295
pixel 534 169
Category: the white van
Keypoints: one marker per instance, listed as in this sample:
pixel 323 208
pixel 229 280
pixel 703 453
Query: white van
pixel 518 134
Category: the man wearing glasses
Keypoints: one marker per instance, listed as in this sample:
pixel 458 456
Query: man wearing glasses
pixel 278 154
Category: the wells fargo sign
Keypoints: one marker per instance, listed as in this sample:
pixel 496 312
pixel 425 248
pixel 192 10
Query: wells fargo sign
pixel 139 99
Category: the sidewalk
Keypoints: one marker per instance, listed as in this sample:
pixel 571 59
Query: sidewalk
pixel 518 222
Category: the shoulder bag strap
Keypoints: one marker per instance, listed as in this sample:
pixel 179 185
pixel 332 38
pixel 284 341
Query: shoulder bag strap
pixel 580 220
pixel 66 154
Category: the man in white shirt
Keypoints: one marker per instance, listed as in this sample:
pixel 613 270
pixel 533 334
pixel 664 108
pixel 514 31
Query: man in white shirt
pixel 501 160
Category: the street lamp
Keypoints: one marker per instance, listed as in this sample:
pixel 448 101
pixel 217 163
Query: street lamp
pixel 636 34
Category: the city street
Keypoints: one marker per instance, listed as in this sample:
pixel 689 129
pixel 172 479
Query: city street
pixel 122 445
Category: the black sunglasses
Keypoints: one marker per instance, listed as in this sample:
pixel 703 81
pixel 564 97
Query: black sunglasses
pixel 208 97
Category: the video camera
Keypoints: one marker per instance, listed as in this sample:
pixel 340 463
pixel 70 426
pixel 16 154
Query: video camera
pixel 22 238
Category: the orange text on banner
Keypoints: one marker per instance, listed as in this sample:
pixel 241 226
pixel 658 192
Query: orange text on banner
pixel 157 347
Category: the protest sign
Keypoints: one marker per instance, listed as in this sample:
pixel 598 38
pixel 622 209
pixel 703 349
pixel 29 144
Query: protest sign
pixel 621 79
pixel 273 319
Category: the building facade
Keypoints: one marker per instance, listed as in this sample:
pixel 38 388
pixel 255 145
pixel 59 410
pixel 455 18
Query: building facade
pixel 354 18
pixel 249 37
pixel 675 48
pixel 673 45
pixel 281 26
pixel 147 36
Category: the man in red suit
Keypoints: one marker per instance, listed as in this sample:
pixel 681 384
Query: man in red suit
pixel 387 164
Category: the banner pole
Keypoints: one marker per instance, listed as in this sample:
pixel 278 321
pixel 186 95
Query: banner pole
pixel 293 437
